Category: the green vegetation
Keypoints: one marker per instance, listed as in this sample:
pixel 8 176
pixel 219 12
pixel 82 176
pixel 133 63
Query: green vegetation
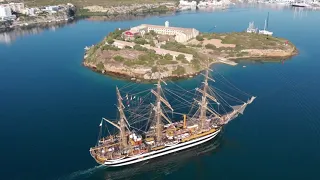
pixel 110 40
pixel 81 3
pixel 166 61
pixel 199 38
pixel 118 58
pixel 116 34
pixel 210 46
pixel 168 57
pixel 196 64
pixel 153 33
pixel 139 48
pixel 100 66
pixel 85 13
pixel 175 46
pixel 180 57
pixel 247 40
pixel 110 47
pixel 179 71
pixel 140 40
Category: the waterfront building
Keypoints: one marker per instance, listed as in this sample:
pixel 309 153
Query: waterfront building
pixel 5 12
pixel 187 3
pixel 52 9
pixel 17 7
pixel 29 11
pixel 181 34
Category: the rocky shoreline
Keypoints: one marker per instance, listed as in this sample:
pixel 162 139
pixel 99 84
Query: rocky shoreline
pixel 124 75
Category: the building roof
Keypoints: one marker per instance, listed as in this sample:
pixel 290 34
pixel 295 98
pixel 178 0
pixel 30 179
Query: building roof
pixel 185 30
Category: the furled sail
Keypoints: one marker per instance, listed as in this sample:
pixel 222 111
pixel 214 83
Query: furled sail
pixel 240 108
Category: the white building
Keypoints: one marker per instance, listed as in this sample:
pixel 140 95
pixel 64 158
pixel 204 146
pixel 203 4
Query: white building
pixel 181 34
pixel 5 12
pixel 29 11
pixel 187 3
pixel 52 9
pixel 17 7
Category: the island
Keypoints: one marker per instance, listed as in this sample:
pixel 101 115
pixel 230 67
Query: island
pixel 141 52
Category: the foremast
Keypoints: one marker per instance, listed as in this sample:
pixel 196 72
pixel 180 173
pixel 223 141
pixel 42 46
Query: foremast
pixel 123 122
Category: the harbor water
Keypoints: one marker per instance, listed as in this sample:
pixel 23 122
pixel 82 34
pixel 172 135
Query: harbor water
pixel 51 106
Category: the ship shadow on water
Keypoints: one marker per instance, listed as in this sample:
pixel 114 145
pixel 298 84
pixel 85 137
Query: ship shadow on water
pixel 162 166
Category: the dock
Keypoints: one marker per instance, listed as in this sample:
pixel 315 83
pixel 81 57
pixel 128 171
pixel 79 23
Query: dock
pixel 226 61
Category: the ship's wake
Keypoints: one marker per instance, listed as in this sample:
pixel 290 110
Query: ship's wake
pixel 83 174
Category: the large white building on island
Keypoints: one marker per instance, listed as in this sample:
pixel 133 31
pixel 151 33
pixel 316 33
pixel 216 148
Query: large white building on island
pixel 181 34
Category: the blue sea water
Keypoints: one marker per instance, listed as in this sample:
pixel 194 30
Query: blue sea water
pixel 51 106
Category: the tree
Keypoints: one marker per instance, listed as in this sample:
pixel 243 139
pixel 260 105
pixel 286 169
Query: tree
pixel 210 46
pixel 100 66
pixel 153 33
pixel 139 48
pixel 168 57
pixel 118 58
pixel 179 71
pixel 181 57
pixel 199 38
pixel 110 40
pixel 140 41
pixel 152 43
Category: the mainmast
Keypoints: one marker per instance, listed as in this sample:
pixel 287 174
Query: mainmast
pixel 158 111
pixel 122 122
pixel 203 108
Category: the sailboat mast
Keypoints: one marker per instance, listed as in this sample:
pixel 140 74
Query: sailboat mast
pixel 267 22
pixel 203 109
pixel 123 136
pixel 158 112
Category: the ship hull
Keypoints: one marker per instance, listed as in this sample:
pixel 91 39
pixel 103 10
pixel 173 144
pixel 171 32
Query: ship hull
pixel 161 152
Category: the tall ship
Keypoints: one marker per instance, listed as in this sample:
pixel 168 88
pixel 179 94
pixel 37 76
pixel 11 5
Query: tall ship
pixel 195 117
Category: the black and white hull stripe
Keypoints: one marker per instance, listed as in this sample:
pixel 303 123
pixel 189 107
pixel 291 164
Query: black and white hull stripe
pixel 161 152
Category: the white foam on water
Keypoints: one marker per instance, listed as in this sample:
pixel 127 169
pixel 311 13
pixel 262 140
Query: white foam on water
pixel 82 174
